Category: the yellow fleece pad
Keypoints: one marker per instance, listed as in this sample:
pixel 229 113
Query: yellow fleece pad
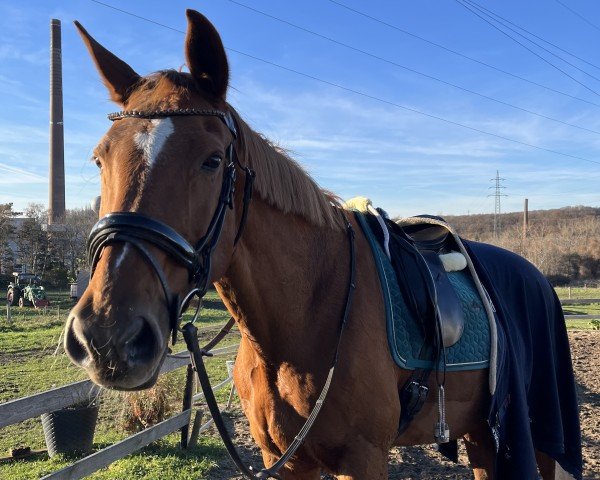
pixel 358 203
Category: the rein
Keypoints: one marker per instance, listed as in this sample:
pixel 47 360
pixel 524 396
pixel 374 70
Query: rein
pixel 138 230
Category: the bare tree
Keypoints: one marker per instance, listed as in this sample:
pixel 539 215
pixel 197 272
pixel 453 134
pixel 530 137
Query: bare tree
pixel 32 239
pixel 77 226
pixel 6 232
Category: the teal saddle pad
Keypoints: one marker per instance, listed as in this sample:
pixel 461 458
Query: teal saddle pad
pixel 405 338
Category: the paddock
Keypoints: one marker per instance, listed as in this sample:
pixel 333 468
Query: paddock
pixel 29 365
pixel 414 463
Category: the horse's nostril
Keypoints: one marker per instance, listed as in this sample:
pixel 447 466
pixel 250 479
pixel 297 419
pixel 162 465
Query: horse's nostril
pixel 139 342
pixel 74 347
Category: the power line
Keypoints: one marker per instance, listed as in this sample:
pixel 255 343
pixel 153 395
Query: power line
pixel 470 5
pixel 536 36
pixel 137 16
pixel 471 9
pixel 393 63
pixel 367 95
pixel 579 15
pixel 505 21
pixel 437 45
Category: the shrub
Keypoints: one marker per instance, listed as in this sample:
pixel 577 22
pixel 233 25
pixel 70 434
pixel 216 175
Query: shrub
pixel 558 280
pixel 147 407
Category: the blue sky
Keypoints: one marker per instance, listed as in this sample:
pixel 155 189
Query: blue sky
pixel 352 144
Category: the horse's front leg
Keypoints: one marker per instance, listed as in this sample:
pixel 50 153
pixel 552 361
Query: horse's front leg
pixel 294 470
pixel 364 461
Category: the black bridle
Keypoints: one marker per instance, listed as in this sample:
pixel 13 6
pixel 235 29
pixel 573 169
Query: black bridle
pixel 138 230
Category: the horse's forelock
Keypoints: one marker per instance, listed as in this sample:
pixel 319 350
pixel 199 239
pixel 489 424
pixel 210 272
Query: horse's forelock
pixel 166 89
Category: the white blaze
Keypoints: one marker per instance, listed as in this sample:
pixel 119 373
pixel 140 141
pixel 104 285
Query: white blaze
pixel 151 142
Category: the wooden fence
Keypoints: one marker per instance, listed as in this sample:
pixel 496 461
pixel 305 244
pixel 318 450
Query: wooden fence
pixel 21 409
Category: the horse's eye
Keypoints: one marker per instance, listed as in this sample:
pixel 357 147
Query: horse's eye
pixel 97 161
pixel 213 162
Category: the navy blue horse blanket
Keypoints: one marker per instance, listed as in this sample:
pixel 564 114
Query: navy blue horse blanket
pixel 535 402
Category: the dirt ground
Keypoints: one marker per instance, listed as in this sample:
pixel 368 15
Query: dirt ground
pixel 411 463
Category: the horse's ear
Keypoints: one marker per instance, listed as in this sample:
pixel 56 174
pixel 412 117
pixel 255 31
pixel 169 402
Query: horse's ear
pixel 118 77
pixel 205 55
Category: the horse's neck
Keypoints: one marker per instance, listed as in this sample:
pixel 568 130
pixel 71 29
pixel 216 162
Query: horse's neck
pixel 287 286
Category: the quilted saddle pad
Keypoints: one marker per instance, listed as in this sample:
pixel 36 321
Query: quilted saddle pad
pixel 405 337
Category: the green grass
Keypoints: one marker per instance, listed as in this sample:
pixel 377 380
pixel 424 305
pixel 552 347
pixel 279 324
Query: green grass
pixel 580 325
pixel 159 461
pixel 28 364
pixel 590 309
pixel 577 292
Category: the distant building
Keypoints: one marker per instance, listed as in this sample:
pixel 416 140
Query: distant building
pixel 14 253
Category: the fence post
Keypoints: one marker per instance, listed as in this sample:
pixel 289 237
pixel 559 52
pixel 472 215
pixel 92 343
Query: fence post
pixel 188 394
pixel 195 429
pixel 569 292
pixel 230 364
pixel 8 314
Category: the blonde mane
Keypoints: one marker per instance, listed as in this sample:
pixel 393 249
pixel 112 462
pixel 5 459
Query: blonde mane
pixel 282 182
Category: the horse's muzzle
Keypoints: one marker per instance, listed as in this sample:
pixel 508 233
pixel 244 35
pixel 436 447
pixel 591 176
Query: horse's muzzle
pixel 124 353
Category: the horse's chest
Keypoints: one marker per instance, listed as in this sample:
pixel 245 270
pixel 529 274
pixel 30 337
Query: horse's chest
pixel 275 402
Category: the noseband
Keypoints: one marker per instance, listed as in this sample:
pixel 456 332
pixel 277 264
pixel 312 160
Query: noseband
pixel 139 230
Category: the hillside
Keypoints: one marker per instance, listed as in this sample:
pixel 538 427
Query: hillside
pixel 481 227
pixel 564 243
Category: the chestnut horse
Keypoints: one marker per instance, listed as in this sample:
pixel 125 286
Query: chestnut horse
pixel 285 282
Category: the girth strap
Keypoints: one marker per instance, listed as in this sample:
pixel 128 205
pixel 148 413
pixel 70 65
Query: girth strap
pixel 412 397
pixel 415 391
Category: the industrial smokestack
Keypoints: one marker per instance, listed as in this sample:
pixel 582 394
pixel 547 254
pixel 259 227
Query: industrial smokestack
pixel 56 209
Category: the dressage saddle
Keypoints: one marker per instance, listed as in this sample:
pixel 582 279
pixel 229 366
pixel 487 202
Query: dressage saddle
pixel 415 251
